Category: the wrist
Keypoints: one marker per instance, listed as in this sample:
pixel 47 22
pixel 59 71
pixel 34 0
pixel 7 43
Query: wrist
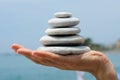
pixel 106 71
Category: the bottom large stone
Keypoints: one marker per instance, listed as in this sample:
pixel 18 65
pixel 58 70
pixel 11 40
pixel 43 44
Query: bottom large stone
pixel 66 50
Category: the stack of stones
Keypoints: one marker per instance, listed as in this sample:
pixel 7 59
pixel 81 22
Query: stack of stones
pixel 62 37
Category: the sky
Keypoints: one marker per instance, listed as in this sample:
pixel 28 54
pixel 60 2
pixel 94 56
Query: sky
pixel 24 21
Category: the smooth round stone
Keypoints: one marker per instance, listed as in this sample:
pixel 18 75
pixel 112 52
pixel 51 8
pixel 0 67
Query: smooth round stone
pixel 63 14
pixel 63 22
pixel 66 50
pixel 61 40
pixel 62 31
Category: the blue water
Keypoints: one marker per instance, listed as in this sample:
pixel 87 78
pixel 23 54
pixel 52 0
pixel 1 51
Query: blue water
pixel 16 67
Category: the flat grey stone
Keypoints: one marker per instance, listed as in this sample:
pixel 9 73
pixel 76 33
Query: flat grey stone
pixel 62 31
pixel 61 40
pixel 63 14
pixel 66 50
pixel 63 22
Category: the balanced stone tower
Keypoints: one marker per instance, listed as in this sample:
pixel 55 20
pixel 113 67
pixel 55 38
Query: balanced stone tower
pixel 63 37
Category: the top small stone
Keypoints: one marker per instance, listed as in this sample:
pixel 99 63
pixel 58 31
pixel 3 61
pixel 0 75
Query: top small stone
pixel 63 15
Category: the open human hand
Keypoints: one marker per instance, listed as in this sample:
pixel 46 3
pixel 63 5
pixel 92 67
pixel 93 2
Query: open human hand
pixel 94 62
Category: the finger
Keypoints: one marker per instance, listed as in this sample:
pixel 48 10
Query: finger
pixel 47 62
pixel 21 50
pixel 47 55
pixel 59 61
pixel 15 47
pixel 25 52
pixel 56 60
pixel 41 61
pixel 28 54
pixel 53 58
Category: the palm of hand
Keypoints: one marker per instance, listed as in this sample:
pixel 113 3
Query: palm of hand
pixel 89 61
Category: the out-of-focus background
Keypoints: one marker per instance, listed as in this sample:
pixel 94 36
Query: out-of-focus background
pixel 24 22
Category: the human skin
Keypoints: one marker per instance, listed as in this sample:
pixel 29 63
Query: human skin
pixel 93 61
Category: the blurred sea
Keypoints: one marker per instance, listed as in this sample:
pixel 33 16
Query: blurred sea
pixel 16 67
